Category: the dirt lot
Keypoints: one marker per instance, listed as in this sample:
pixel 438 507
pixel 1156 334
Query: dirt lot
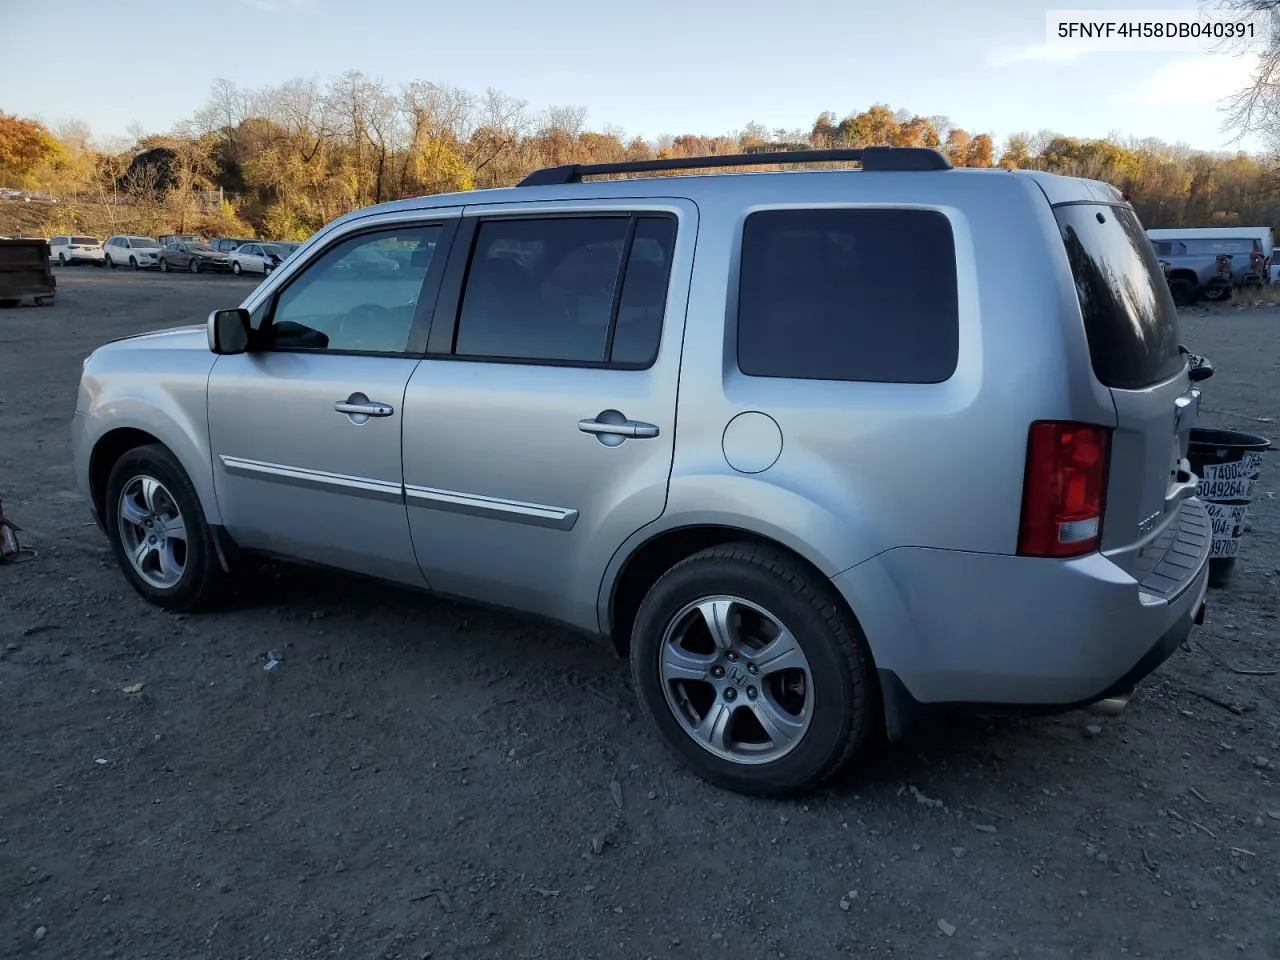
pixel 420 779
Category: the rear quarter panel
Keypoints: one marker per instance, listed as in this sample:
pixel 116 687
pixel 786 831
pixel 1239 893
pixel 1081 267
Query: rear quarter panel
pixel 866 467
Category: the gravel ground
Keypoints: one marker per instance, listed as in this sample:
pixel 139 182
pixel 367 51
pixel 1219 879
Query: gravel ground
pixel 421 779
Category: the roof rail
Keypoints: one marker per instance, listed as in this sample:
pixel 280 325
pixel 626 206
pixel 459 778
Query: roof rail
pixel 871 158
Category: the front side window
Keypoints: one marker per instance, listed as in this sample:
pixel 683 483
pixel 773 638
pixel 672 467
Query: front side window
pixel 588 290
pixel 847 294
pixel 360 295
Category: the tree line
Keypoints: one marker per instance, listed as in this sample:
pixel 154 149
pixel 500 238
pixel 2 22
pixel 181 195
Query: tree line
pixel 287 159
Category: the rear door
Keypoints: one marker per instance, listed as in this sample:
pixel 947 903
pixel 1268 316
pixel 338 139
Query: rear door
pixel 1134 344
pixel 539 430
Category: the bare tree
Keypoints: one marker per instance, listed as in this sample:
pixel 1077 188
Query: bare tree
pixel 1256 108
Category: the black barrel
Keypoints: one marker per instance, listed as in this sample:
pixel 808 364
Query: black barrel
pixel 1228 464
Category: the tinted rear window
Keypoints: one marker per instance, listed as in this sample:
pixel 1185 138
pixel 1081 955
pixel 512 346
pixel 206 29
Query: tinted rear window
pixel 1129 316
pixel 867 295
pixel 83 241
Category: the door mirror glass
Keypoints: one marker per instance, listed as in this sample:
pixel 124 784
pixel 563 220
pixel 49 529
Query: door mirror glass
pixel 229 331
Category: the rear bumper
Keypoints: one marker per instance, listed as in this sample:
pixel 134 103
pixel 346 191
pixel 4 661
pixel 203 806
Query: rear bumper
pixel 953 630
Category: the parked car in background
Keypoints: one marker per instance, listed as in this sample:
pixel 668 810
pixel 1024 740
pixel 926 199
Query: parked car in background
pixel 140 253
pixel 179 238
pixel 75 248
pixel 405 400
pixel 255 257
pixel 282 249
pixel 193 256
pixel 1210 268
pixel 228 244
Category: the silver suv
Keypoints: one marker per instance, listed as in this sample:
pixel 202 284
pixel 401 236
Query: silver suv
pixel 820 451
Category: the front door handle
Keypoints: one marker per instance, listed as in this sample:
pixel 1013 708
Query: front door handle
pixel 612 427
pixel 360 408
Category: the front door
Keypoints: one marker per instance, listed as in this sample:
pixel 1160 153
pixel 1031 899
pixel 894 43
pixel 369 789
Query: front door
pixel 539 430
pixel 305 428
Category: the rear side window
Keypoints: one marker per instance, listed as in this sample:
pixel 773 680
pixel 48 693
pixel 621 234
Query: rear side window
pixel 867 295
pixel 1129 316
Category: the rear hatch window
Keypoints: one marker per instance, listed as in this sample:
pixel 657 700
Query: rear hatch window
pixel 1129 316
pixel 83 242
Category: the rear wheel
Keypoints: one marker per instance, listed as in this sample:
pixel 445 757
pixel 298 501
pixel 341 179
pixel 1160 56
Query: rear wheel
pixel 62 260
pixel 751 671
pixel 158 532
pixel 109 262
pixel 1217 294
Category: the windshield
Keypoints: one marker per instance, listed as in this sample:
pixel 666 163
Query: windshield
pixel 143 242
pixel 1129 316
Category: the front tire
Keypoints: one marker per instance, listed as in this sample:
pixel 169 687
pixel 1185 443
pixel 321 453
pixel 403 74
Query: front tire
pixel 158 532
pixel 195 265
pixel 235 267
pixel 1183 291
pixel 164 266
pixel 133 263
pixel 752 672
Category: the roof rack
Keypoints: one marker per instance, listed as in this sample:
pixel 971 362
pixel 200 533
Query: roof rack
pixel 871 158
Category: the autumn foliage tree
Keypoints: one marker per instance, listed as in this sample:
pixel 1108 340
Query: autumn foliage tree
pixel 25 147
pixel 284 160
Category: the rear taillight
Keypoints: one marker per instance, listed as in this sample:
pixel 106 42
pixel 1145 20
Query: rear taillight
pixel 1064 490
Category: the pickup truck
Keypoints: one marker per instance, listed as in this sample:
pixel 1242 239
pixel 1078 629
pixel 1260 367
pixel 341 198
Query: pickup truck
pixel 1210 269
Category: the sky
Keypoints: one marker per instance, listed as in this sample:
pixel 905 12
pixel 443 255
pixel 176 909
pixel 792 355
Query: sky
pixel 657 67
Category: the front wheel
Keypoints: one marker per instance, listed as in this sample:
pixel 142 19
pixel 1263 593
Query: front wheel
pixel 158 532
pixel 133 262
pixel 195 265
pixel 752 672
pixel 235 268
pixel 164 266
pixel 1183 291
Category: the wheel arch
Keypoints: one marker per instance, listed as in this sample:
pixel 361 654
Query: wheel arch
pixel 120 439
pixel 648 560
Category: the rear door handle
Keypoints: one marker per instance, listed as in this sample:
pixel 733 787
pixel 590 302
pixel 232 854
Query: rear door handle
pixel 370 409
pixel 611 423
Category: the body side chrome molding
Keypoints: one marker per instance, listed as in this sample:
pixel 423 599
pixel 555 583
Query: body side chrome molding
pixel 517 511
pixel 451 501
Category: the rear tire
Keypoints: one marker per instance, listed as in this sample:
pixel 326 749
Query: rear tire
pixel 62 260
pixel 822 711
pixel 1218 294
pixel 199 579
pixel 109 262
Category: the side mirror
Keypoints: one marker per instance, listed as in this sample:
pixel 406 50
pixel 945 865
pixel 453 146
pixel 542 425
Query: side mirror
pixel 229 331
